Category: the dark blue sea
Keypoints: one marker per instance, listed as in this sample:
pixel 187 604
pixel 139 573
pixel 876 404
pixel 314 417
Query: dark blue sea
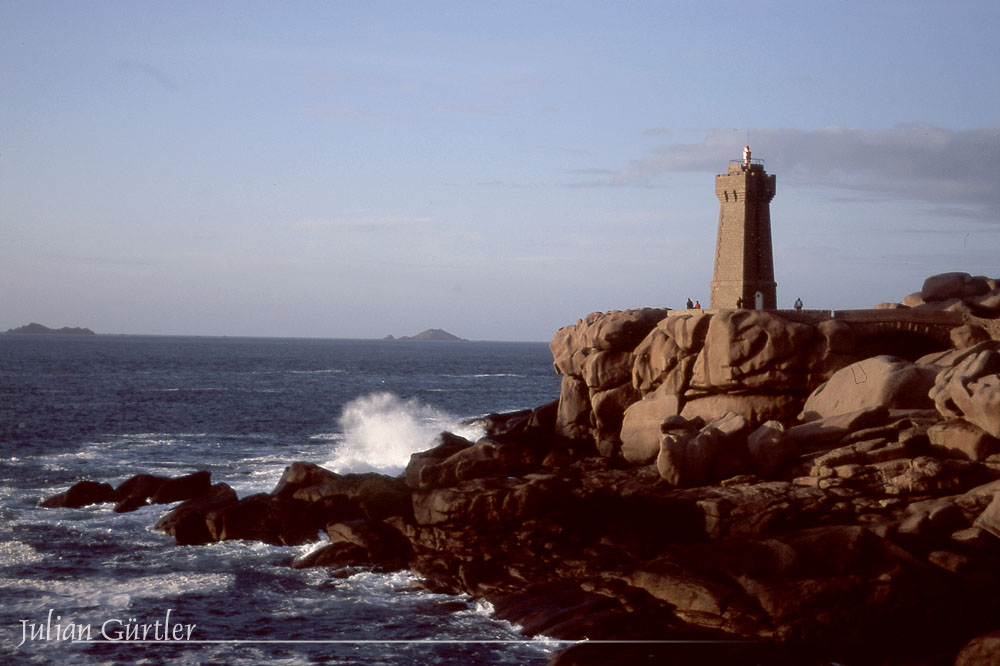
pixel 105 408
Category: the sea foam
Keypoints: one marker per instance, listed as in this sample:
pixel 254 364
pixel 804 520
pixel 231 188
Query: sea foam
pixel 382 430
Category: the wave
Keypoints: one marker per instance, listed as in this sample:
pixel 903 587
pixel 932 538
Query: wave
pixel 381 432
pixel 483 375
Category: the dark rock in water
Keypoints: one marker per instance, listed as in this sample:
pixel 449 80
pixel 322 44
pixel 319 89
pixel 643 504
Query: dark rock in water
pixel 82 493
pixel 384 543
pixel 351 496
pixel 143 489
pixel 188 522
pixel 263 517
pixel 375 545
pixel 183 488
pixel 136 491
pixel 301 475
pixel 339 555
pixel 448 444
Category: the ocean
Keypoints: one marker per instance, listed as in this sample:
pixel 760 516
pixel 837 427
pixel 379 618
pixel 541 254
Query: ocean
pixel 105 408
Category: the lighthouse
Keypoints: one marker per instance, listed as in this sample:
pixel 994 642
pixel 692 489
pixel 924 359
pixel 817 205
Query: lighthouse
pixel 744 264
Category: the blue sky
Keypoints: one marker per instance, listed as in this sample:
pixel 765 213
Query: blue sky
pixel 499 170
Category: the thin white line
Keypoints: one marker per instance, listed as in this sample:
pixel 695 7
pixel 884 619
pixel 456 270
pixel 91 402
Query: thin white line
pixel 528 641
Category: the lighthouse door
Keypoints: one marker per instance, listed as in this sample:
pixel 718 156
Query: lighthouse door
pixel 758 301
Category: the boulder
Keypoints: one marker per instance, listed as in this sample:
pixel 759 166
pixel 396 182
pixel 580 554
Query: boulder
pixel 605 369
pixel 667 354
pixel 339 555
pixel 263 517
pixel 352 496
pixel 82 493
pixel 483 459
pixel 573 419
pixel 945 286
pixel 718 451
pixel 183 488
pixel 447 445
pixel 971 390
pixel 137 491
pixel 601 331
pixel 749 349
pixel 828 430
pixel 964 438
pixel 609 410
pixel 989 519
pixel 880 380
pixel 834 347
pixel 755 407
pixel 968 335
pixel 640 434
pixel 490 502
pixel 301 475
pixel 771 449
pixel 952 357
pixel 386 547
pixel 187 521
pixel 987 305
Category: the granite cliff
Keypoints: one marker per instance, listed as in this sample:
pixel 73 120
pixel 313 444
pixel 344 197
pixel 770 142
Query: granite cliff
pixel 770 487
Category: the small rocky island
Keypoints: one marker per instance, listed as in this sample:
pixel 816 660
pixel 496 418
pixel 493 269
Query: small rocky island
pixel 430 335
pixel 39 329
pixel 711 487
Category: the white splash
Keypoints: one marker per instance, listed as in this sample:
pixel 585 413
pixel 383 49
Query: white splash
pixel 382 430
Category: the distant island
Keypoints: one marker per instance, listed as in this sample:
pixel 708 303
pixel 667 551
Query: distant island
pixel 39 329
pixel 431 334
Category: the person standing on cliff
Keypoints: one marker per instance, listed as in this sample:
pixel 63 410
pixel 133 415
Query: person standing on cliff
pixel 739 303
pixel 690 304
pixel 798 303
pixel 697 305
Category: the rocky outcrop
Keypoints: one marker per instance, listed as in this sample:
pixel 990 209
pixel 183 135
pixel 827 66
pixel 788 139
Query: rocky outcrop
pixel 674 493
pixel 764 365
pixel 754 363
pixel 958 292
pixel 971 389
pixel 595 358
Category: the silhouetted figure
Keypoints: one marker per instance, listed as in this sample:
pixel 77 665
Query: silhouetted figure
pixel 690 304
pixel 798 303
pixel 697 305
pixel 739 303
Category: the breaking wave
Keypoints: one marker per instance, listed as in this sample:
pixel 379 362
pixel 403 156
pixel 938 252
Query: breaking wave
pixel 382 430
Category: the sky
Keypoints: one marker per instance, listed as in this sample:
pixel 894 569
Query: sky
pixel 495 169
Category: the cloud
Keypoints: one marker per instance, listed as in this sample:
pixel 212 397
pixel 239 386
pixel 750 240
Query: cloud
pixel 946 168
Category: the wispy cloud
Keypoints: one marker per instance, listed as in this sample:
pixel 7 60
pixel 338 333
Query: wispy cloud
pixel 947 168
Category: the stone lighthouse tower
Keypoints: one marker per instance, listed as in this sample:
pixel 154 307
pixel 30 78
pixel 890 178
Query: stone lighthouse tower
pixel 744 266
